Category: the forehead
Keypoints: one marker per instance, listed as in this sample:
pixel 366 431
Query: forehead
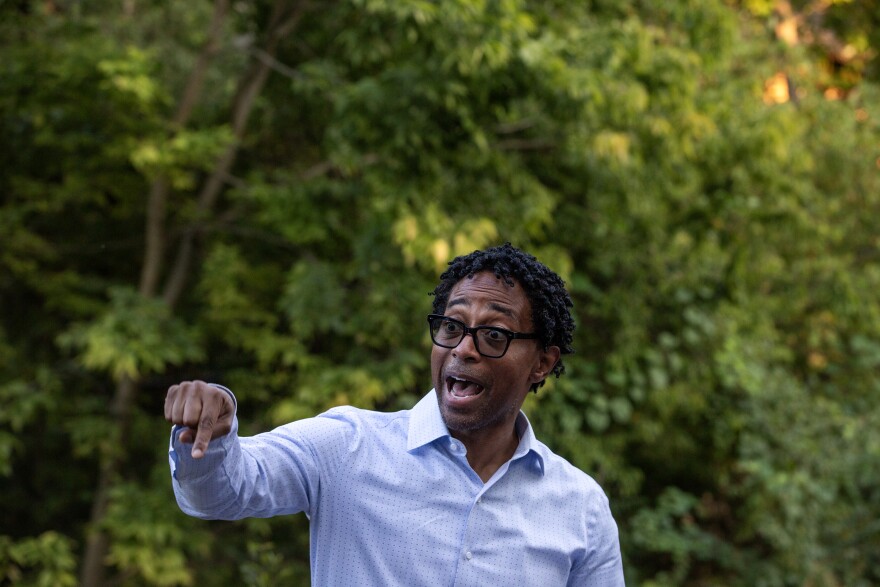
pixel 484 291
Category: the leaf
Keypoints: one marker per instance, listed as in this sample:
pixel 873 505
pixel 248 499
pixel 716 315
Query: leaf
pixel 134 337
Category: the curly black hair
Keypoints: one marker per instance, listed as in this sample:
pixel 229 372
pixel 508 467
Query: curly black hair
pixel 544 289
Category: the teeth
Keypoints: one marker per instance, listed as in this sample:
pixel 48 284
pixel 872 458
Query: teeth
pixel 463 387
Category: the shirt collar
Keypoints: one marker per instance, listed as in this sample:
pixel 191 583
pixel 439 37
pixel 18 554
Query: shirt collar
pixel 426 425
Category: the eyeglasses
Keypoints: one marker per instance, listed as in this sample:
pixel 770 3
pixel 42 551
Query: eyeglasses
pixel 490 341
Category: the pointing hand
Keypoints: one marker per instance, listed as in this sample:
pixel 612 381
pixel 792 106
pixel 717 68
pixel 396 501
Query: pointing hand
pixel 204 409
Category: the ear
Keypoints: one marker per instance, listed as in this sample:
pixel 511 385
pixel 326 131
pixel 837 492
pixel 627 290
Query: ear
pixel 544 364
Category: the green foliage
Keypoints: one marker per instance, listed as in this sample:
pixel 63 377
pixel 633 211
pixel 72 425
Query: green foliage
pixel 722 253
pixel 265 567
pixel 46 560
pixel 23 401
pixel 182 155
pixel 672 530
pixel 135 337
pixel 148 540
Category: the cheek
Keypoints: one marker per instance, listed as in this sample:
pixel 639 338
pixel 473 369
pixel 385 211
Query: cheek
pixel 437 355
pixel 522 365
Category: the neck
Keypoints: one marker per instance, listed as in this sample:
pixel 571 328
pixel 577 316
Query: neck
pixel 487 450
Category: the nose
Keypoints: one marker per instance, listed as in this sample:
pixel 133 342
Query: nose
pixel 467 348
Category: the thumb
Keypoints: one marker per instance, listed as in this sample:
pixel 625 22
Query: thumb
pixel 187 436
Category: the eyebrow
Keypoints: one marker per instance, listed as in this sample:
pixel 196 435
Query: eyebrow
pixel 492 306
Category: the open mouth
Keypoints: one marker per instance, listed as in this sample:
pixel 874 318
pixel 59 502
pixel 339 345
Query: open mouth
pixel 459 387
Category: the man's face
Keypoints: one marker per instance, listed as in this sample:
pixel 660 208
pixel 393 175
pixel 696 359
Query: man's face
pixel 476 393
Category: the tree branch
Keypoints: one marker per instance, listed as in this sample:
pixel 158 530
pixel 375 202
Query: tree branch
pixel 158 197
pixel 526 145
pixel 252 82
pixel 92 572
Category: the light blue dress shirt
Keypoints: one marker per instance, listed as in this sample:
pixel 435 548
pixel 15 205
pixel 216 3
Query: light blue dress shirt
pixel 392 501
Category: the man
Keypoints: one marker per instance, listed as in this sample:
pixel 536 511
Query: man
pixel 457 490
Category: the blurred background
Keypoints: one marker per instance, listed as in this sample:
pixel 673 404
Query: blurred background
pixel 263 194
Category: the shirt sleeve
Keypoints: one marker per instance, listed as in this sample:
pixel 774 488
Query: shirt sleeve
pixel 602 566
pixel 274 473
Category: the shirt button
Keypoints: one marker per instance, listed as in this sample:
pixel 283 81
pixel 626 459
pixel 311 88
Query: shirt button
pixel 479 500
pixel 468 555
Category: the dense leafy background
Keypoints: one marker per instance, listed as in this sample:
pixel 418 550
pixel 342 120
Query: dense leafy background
pixel 263 194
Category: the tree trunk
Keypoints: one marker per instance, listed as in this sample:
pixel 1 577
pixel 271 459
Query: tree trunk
pixel 281 24
pixel 284 18
pixel 92 572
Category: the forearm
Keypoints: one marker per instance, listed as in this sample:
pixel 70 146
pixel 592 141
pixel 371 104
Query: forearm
pixel 209 487
pixel 266 475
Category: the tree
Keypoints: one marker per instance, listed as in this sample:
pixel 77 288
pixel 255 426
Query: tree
pixel 263 194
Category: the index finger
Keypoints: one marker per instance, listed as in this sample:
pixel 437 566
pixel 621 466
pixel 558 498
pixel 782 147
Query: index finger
pixel 205 430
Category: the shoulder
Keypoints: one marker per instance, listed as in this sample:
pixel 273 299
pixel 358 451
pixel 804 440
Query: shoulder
pixel 559 470
pixel 352 426
pixel 569 484
pixel 362 418
pixel 337 435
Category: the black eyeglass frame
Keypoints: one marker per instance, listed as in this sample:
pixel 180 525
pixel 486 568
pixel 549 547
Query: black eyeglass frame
pixel 473 330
